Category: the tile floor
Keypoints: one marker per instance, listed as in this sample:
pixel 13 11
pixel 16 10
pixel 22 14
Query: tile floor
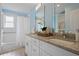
pixel 17 52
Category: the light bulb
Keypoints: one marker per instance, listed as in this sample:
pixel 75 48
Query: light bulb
pixel 58 5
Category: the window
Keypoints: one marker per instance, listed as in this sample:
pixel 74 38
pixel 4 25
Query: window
pixel 9 22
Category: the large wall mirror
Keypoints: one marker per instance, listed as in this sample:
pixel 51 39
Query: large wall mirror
pixel 67 16
pixel 40 21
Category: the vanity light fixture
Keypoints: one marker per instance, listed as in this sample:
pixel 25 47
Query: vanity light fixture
pixel 58 5
pixel 38 6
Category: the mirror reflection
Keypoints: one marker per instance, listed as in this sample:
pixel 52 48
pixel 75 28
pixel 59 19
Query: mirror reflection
pixel 40 18
pixel 67 16
pixel 60 17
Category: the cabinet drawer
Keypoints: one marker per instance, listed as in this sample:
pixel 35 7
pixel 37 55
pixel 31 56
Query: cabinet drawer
pixel 35 51
pixel 35 42
pixel 28 48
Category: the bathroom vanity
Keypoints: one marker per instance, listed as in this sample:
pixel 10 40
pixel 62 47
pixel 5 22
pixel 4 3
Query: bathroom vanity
pixel 49 46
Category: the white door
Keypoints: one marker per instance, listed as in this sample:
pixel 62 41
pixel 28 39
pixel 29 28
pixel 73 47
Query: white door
pixel 8 30
pixel 23 28
pixel 28 48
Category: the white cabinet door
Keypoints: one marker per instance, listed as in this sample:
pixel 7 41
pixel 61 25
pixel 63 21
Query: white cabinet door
pixel 35 47
pixel 28 46
pixel 32 46
pixel 54 51
pixel 28 49
pixel 57 51
pixel 35 50
pixel 43 53
pixel 35 42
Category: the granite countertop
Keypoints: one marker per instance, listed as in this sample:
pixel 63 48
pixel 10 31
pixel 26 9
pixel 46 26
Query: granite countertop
pixel 67 45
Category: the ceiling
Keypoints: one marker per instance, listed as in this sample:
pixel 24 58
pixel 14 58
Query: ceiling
pixel 27 7
pixel 19 7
